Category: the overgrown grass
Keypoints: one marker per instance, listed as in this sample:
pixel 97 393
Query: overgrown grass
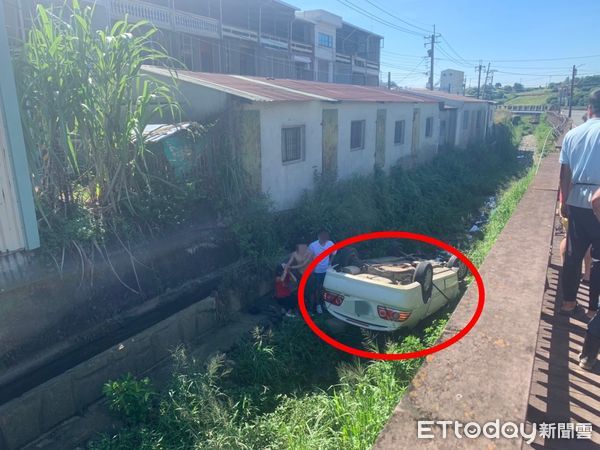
pixel 507 203
pixel 536 97
pixel 544 136
pixel 278 389
pixel 521 127
pixel 285 388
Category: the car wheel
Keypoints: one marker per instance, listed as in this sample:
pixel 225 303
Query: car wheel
pixel 424 276
pixel 462 271
pixel 348 256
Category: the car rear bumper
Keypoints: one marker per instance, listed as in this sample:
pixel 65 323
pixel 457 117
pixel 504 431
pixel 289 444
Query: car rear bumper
pixel 361 323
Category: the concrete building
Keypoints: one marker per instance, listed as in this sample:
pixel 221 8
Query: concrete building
pixel 288 130
pixel 452 81
pixel 463 120
pixel 268 38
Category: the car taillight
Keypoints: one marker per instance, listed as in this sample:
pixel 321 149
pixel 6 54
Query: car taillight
pixel 334 299
pixel 392 314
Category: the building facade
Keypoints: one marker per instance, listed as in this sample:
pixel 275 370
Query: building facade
pixel 452 81
pixel 464 121
pixel 288 130
pixel 268 38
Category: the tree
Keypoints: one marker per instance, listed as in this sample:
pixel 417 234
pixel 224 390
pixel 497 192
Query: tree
pixel 518 87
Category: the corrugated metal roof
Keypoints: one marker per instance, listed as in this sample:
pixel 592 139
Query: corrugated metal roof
pixel 158 131
pixel 285 90
pixel 441 96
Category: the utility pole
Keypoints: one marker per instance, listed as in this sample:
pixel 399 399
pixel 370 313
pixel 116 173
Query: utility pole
pixel 431 54
pixel 572 88
pixel 492 72
pixel 487 75
pixel 478 68
pixel 560 99
pixel 389 81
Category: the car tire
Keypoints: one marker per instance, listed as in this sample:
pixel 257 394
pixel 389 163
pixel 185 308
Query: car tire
pixel 424 276
pixel 455 262
pixel 348 256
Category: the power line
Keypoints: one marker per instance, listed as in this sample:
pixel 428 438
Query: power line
pixel 566 58
pixel 396 17
pixel 539 74
pixel 456 53
pixel 450 58
pixel 393 66
pixel 376 18
pixel 413 70
pixel 400 54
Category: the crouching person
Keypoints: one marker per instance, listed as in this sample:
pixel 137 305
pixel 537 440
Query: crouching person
pixel 284 292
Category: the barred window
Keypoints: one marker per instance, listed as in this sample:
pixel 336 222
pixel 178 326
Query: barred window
pixel 357 135
pixel 429 127
pixel 399 132
pixel 292 144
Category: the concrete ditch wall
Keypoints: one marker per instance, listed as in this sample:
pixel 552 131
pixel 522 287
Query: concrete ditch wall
pixel 41 307
pixel 25 418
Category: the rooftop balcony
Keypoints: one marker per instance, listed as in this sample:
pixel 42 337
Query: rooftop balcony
pixel 361 65
pixel 166 18
pixel 266 39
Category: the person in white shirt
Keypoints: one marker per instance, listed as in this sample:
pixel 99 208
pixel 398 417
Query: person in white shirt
pixel 579 180
pixel 318 276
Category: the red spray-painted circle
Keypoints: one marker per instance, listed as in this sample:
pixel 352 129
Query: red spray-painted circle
pixel 391 235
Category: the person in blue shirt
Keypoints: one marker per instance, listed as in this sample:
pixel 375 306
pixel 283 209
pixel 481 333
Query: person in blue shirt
pixel 579 181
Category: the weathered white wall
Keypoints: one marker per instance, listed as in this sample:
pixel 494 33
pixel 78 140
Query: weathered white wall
pixel 285 182
pixel 353 162
pixel 197 102
pixel 428 146
pixel 472 134
pixel 394 153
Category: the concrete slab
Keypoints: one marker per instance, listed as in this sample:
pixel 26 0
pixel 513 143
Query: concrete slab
pixel 486 376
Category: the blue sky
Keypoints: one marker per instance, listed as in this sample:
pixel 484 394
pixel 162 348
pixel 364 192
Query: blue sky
pixel 518 37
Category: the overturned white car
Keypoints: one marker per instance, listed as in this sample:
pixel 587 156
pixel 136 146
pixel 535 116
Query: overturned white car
pixel 386 294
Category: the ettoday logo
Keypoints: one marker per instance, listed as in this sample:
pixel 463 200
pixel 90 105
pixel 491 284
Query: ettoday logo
pixel 432 429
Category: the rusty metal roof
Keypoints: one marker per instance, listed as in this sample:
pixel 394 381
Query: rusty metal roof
pixel 444 96
pixel 159 131
pixel 284 90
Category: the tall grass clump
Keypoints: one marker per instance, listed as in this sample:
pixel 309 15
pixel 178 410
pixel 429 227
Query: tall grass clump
pixel 278 389
pixel 85 103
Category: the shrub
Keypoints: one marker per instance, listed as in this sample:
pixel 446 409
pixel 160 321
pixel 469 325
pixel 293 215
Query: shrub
pixel 131 399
